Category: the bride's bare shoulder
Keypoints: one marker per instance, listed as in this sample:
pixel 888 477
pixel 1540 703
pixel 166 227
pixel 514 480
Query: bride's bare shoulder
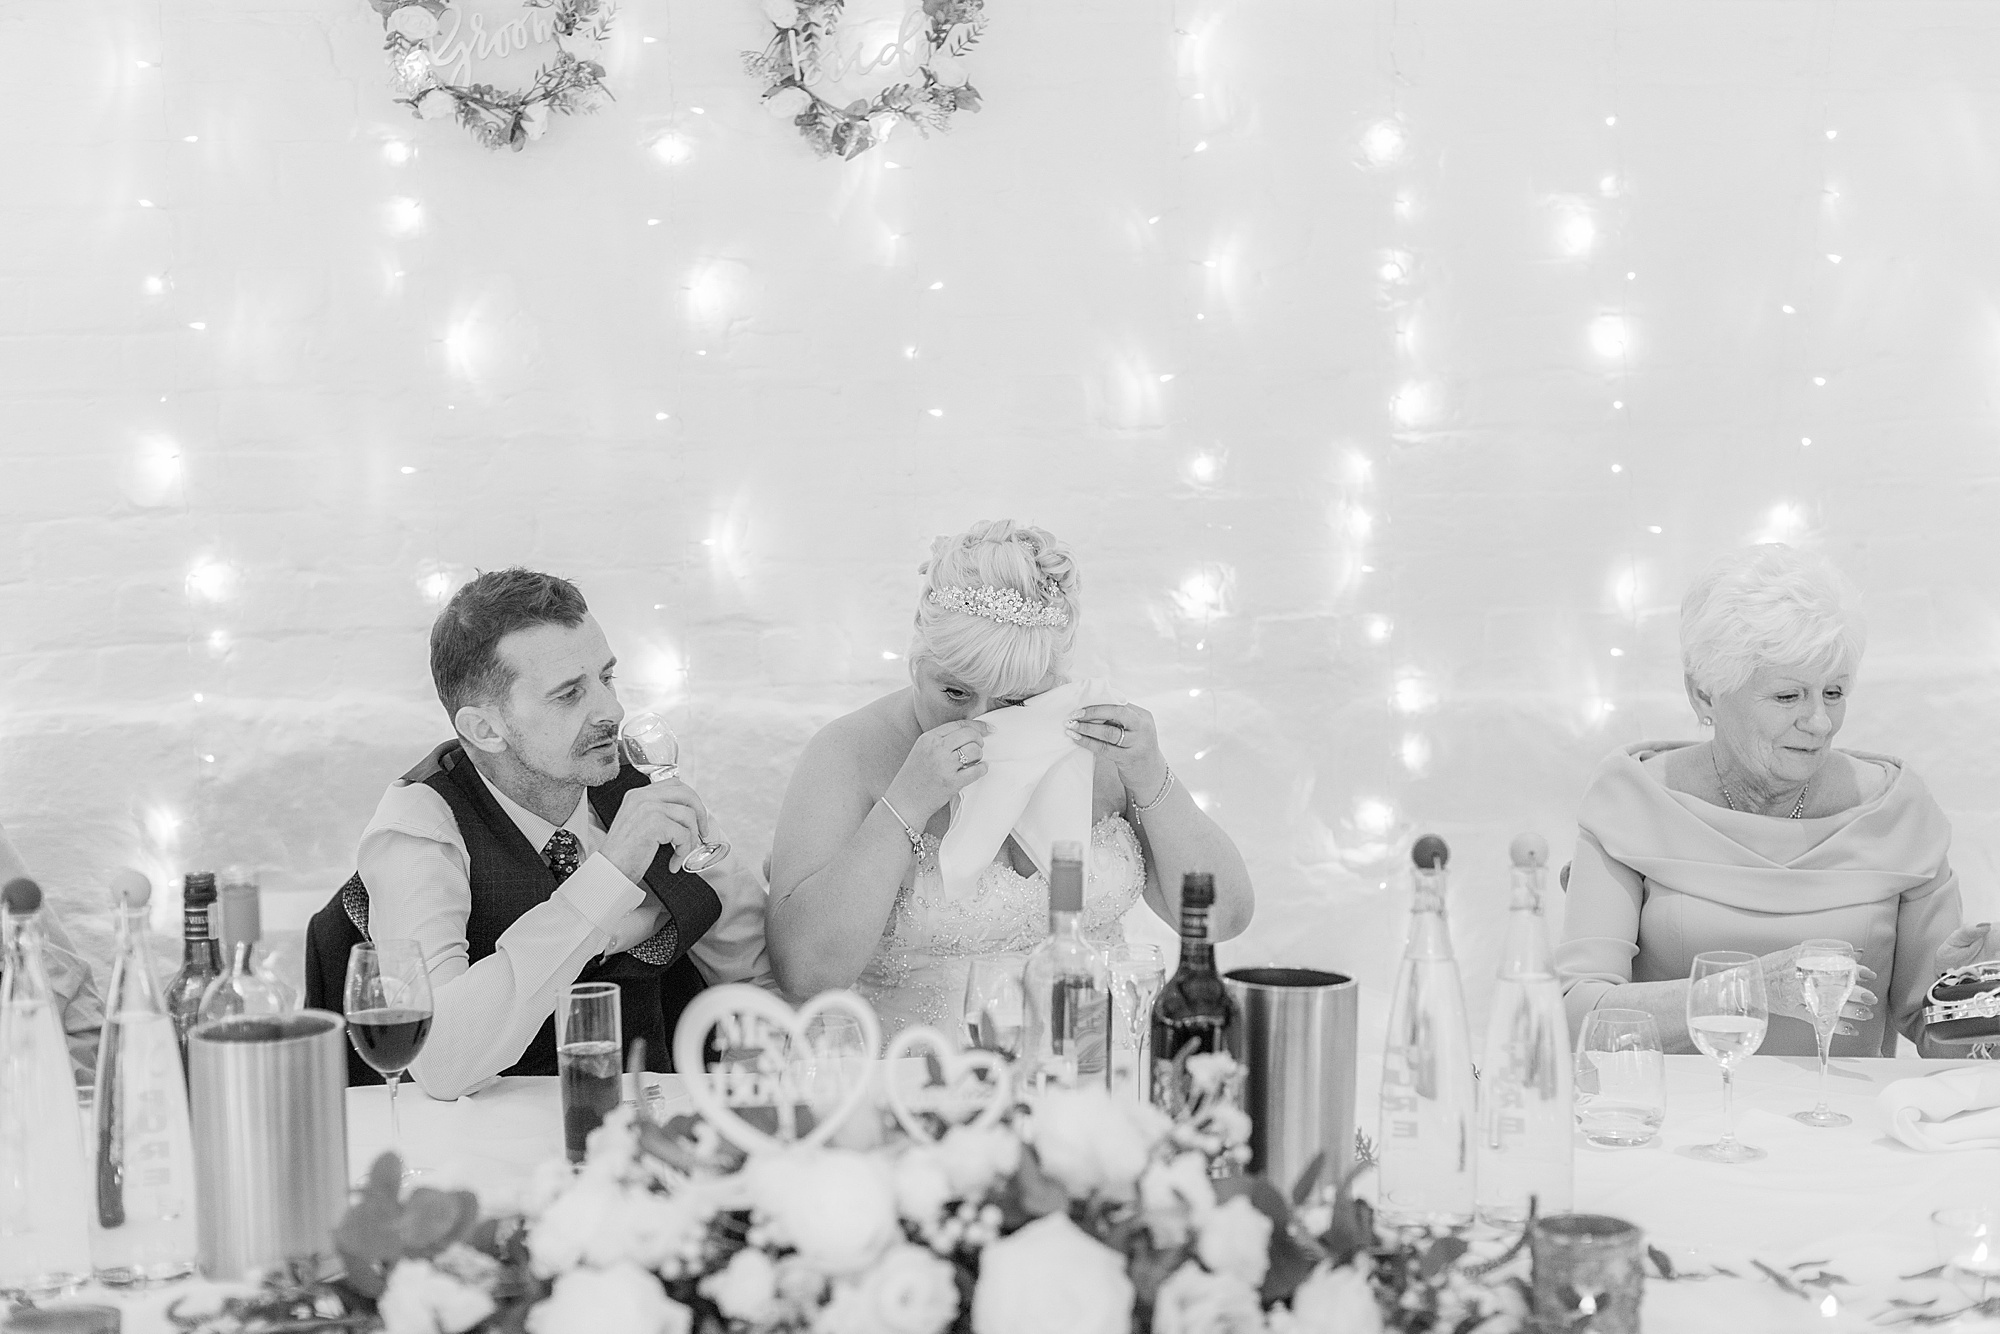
pixel 878 733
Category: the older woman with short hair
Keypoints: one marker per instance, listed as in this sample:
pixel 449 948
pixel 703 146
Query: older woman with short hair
pixel 1764 836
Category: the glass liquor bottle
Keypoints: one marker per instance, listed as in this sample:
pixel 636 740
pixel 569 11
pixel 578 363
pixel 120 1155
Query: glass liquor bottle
pixel 1194 1014
pixel 1525 1116
pixel 201 957
pixel 44 1185
pixel 1426 1155
pixel 143 1219
pixel 1067 985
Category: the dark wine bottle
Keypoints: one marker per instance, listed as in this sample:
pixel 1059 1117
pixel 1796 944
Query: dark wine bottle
pixel 1194 1014
pixel 201 956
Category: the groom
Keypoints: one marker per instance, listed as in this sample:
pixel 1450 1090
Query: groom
pixel 523 856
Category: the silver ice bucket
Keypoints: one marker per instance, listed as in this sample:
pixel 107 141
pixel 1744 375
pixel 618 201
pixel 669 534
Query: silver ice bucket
pixel 268 1098
pixel 1295 1037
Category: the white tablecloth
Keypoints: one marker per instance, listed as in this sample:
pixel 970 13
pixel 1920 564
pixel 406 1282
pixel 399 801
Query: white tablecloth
pixel 1851 1196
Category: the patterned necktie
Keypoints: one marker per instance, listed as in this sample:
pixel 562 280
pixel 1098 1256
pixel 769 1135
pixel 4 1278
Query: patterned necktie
pixel 563 854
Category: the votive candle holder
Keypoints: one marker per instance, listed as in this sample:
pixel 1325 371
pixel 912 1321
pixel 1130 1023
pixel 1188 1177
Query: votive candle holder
pixel 1589 1272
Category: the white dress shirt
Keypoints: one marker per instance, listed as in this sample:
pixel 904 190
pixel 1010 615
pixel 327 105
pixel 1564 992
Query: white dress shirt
pixel 414 863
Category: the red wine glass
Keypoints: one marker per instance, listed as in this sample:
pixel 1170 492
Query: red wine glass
pixel 388 1009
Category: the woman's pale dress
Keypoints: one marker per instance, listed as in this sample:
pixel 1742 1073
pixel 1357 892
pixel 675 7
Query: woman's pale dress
pixel 1660 876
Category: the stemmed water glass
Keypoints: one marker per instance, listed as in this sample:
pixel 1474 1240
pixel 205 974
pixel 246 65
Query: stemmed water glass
pixel 650 746
pixel 1827 970
pixel 388 1008
pixel 994 1003
pixel 1137 973
pixel 1727 1013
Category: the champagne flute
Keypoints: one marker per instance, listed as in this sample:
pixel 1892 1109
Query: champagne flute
pixel 1727 1013
pixel 1827 969
pixel 388 1008
pixel 650 746
pixel 994 1003
pixel 1137 973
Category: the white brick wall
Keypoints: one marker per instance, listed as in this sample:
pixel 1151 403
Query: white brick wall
pixel 765 534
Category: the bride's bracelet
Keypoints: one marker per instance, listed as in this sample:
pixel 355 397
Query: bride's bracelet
pixel 1166 786
pixel 916 839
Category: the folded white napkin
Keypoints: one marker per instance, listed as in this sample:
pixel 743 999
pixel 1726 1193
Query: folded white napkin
pixel 1955 1109
pixel 1037 786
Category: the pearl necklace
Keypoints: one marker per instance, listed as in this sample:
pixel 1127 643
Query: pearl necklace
pixel 1798 807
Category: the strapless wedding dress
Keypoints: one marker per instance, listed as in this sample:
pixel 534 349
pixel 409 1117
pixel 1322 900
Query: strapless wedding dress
pixel 917 975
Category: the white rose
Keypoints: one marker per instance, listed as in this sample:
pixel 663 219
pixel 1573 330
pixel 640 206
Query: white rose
pixel 788 103
pixel 436 104
pixel 1236 1239
pixel 947 71
pixel 923 1186
pixel 420 1299
pixel 599 1222
pixel 567 1228
pixel 624 1299
pixel 835 1207
pixel 909 1291
pixel 782 13
pixel 883 124
pixel 746 1289
pixel 1194 1301
pixel 1051 1275
pixel 414 22
pixel 535 119
pixel 1336 1301
pixel 1173 1196
pixel 976 1157
pixel 1092 1143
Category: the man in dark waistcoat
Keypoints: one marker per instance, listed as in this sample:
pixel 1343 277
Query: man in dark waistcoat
pixel 523 855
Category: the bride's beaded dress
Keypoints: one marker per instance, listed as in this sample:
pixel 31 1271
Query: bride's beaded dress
pixel 917 975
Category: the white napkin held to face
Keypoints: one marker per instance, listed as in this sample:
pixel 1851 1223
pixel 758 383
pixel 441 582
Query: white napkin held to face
pixel 1037 786
pixel 1955 1109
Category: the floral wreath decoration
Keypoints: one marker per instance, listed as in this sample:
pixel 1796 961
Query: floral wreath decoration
pixel 500 117
pixel 806 28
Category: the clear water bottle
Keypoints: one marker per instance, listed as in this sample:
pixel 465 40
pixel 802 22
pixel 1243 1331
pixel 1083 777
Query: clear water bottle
pixel 1525 1115
pixel 1066 983
pixel 143 1216
pixel 1428 1102
pixel 245 990
pixel 44 1185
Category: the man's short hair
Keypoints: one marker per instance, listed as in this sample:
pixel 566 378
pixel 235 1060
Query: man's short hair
pixel 465 639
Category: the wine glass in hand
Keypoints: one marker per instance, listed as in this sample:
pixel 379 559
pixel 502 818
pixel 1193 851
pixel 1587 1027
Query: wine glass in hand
pixel 388 1008
pixel 1827 971
pixel 1727 1013
pixel 650 746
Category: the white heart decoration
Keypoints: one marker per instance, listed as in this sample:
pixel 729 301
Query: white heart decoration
pixel 739 1009
pixel 950 1099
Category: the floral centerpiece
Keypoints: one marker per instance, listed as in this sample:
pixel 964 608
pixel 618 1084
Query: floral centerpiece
pixel 1073 1210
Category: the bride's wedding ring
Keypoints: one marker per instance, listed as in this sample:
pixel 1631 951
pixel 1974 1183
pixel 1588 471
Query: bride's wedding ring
pixel 963 758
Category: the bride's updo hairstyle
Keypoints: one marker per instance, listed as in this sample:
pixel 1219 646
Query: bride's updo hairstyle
pixel 999 606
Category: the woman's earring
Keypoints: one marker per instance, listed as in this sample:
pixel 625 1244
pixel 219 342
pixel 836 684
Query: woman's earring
pixel 1708 722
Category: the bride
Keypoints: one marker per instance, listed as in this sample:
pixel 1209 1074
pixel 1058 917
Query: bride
pixel 915 833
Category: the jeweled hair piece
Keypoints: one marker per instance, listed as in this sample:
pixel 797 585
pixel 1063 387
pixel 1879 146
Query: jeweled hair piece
pixel 1003 606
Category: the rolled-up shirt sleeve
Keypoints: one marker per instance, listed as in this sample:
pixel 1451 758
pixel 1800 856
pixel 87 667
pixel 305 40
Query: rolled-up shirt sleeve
pixel 414 865
pixel 1600 928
